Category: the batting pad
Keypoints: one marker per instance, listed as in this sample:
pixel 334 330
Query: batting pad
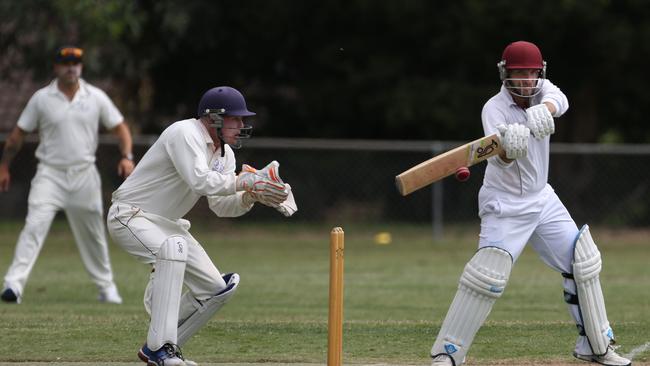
pixel 205 310
pixel 166 292
pixel 586 269
pixel 482 282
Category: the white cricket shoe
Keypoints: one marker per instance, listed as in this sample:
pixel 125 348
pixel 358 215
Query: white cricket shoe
pixel 109 295
pixel 610 358
pixel 442 359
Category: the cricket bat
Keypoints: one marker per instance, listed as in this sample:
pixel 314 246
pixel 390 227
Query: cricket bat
pixel 446 164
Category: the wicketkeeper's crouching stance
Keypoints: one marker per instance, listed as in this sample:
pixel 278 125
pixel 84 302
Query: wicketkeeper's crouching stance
pixel 517 206
pixel 190 159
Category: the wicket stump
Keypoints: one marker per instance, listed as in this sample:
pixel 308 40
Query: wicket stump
pixel 335 323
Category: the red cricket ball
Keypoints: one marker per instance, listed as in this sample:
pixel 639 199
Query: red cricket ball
pixel 462 174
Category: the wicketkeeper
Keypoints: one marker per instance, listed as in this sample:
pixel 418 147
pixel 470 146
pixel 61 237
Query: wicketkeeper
pixel 190 159
pixel 517 206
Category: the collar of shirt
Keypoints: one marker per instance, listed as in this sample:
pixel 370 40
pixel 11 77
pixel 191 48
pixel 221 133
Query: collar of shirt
pixel 204 133
pixel 507 97
pixel 81 92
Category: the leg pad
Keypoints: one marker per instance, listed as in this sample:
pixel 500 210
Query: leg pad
pixel 166 289
pixel 482 282
pixel 205 310
pixel 587 265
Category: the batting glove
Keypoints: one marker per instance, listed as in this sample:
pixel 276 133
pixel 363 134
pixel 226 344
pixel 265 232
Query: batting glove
pixel 514 138
pixel 540 121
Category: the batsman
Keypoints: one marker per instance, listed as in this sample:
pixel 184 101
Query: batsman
pixel 191 158
pixel 517 206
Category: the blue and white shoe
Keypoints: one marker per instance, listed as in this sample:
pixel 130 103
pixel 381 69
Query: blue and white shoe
pixel 10 296
pixel 168 355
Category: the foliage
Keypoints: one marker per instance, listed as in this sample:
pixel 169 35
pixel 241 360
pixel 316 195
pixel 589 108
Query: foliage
pixel 358 68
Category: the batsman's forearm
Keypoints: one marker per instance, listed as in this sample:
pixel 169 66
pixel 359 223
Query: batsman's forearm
pixel 551 108
pixel 504 157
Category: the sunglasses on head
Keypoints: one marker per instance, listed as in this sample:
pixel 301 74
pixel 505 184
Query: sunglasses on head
pixel 71 52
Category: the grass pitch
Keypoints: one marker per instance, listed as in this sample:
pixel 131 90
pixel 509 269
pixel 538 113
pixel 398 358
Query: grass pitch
pixel 396 296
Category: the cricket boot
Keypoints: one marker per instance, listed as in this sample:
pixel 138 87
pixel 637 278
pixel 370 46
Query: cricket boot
pixel 610 358
pixel 442 359
pixel 145 352
pixel 109 295
pixel 168 355
pixel 10 296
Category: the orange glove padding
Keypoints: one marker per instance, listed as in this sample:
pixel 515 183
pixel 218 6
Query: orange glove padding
pixel 264 185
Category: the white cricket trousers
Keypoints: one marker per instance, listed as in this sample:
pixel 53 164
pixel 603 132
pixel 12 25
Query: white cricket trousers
pixel 509 222
pixel 76 191
pixel 142 233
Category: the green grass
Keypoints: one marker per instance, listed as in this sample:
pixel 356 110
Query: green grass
pixel 395 299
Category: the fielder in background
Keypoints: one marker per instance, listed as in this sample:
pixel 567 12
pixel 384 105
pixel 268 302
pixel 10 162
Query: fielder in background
pixel 66 114
pixel 517 206
pixel 190 159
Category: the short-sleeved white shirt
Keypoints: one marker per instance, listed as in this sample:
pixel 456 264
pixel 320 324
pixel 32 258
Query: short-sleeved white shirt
pixel 68 129
pixel 528 175
pixel 179 168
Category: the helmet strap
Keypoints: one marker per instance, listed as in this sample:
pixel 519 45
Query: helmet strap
pixel 216 121
pixel 223 144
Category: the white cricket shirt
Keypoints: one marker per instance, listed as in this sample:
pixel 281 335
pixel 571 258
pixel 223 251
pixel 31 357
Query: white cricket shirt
pixel 68 129
pixel 528 175
pixel 179 168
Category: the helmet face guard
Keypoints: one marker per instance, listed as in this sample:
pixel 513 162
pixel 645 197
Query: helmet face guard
pixel 216 121
pixel 244 134
pixel 514 84
pixel 522 55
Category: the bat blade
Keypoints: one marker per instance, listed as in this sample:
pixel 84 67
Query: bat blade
pixel 445 164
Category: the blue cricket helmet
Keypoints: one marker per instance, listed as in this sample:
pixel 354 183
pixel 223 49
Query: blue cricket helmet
pixel 227 98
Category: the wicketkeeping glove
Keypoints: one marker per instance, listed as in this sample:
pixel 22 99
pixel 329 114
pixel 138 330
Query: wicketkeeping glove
pixel 540 121
pixel 264 186
pixel 514 139
pixel 289 206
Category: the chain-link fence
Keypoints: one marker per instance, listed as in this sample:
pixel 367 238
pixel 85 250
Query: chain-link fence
pixel 352 181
